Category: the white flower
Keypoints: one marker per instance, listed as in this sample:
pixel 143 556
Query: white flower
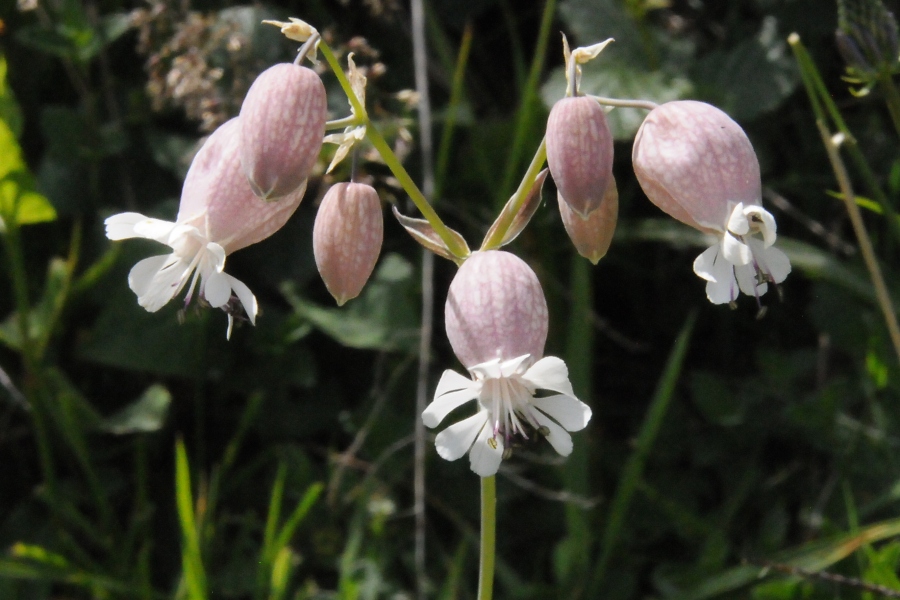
pixel 740 261
pixel 158 279
pixel 506 407
pixel 354 134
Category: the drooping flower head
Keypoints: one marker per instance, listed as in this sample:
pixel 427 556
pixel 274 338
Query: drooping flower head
pixel 347 238
pixel 282 126
pixel 218 215
pixel 696 164
pixel 496 319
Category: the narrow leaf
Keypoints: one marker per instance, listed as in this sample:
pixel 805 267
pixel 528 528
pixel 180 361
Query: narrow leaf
pixel 523 215
pixel 422 232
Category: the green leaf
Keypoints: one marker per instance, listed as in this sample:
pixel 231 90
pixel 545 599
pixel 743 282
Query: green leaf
pixel 382 317
pixel 615 78
pixel 191 560
pixel 147 413
pixel 10 112
pixel 74 38
pixel 752 78
pixel 19 201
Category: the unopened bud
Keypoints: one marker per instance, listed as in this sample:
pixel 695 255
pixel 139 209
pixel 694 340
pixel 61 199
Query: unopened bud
pixel 579 152
pixel 695 163
pixel 593 235
pixel 282 126
pixel 495 309
pixel 347 238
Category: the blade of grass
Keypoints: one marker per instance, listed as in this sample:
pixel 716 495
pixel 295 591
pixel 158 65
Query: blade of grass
pixel 526 112
pixel 456 95
pixel 634 468
pixel 268 553
pixel 192 562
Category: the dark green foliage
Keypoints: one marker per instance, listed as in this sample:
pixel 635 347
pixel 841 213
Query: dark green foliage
pixel 144 458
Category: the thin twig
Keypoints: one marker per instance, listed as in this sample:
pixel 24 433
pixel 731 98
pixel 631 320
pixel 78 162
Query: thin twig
pixel 420 62
pixel 865 244
pixel 563 496
pixel 833 240
pixel 825 576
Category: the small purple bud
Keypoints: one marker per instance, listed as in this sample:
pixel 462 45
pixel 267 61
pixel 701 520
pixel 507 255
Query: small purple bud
pixel 347 238
pixel 695 163
pixel 282 126
pixel 592 236
pixel 217 199
pixel 495 309
pixel 579 152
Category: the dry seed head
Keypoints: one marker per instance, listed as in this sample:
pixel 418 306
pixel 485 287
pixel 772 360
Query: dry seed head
pixel 495 309
pixel 282 126
pixel 695 163
pixel 579 152
pixel 347 238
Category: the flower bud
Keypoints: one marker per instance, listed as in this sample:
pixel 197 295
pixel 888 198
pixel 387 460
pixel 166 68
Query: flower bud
pixel 579 152
pixel 592 236
pixel 347 238
pixel 495 310
pixel 282 126
pixel 695 163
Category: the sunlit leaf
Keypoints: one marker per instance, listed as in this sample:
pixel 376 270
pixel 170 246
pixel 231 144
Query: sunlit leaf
pixel 147 413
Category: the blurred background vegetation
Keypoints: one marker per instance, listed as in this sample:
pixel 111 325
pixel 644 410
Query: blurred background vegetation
pixel 145 458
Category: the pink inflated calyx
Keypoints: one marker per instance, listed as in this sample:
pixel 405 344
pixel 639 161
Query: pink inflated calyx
pixel 495 309
pixel 695 163
pixel 347 238
pixel 217 199
pixel 592 236
pixel 579 152
pixel 282 126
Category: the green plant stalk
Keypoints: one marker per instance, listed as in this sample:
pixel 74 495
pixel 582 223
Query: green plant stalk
pixel 537 163
pixel 71 264
pixel 822 102
pixel 620 103
pixel 529 92
pixel 891 97
pixel 862 236
pixel 390 159
pixel 456 92
pixel 488 537
pixel 634 468
pixel 32 367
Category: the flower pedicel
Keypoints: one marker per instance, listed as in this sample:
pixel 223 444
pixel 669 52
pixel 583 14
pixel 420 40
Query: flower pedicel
pixel 696 164
pixel 496 320
pixel 218 215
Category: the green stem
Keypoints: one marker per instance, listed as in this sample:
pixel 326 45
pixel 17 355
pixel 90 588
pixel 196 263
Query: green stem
pixel 506 219
pixel 456 93
pixel 488 537
pixel 865 244
pixel 391 160
pixel 823 103
pixel 619 103
pixel 30 359
pixel 891 97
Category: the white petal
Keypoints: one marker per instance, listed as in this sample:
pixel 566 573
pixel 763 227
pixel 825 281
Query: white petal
pixel 217 254
pixel 248 300
pixel 154 229
pixel 486 454
pixel 767 225
pixel 550 373
pixel 735 251
pixel 738 222
pixel 456 440
pixel 776 264
pixel 704 265
pixel 445 404
pixel 217 289
pixel 141 275
pixel 570 412
pixel 121 226
pixel 746 278
pixel 450 382
pixel 487 370
pixel 558 437
pixel 511 367
pixel 164 285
